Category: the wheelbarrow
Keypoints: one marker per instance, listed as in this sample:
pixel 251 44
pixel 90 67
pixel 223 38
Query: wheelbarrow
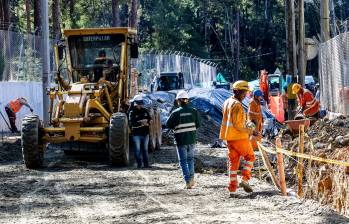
pixel 293 125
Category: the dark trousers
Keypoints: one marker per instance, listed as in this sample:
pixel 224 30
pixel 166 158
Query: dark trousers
pixel 12 117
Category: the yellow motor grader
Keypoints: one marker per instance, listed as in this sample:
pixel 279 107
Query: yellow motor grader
pixel 90 102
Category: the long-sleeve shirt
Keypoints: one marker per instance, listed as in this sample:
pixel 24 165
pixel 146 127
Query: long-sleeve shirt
pixel 184 121
pixel 139 121
pixel 234 121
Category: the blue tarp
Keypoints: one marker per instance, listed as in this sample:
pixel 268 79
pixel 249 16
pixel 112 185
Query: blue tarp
pixel 206 101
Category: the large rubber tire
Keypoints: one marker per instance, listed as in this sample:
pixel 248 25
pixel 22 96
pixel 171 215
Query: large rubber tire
pixel 119 140
pixel 32 147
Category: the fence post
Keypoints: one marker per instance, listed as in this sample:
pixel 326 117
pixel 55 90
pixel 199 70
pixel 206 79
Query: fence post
pixel 281 167
pixel 300 162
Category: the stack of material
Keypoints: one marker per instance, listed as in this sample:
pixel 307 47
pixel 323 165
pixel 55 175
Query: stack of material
pixel 326 183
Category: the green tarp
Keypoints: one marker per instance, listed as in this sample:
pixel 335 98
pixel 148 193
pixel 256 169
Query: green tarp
pixel 220 79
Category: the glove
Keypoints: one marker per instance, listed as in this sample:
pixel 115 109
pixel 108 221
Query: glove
pixel 31 110
pixel 255 133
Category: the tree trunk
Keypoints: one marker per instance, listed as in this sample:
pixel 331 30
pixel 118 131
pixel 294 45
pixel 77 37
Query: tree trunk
pixel 56 19
pixel 133 14
pixel 72 14
pixel 4 14
pixel 37 17
pixel 27 15
pixel 116 13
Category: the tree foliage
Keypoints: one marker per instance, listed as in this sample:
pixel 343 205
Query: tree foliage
pixel 243 35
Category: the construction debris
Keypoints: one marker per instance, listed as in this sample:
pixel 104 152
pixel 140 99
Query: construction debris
pixel 326 183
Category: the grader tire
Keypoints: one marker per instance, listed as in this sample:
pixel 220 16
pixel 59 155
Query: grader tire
pixel 119 140
pixel 32 148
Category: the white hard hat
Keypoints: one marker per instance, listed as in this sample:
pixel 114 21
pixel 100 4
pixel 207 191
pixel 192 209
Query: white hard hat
pixel 138 100
pixel 137 97
pixel 182 95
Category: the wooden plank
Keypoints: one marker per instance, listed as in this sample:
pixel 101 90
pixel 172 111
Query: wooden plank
pixel 281 168
pixel 269 167
pixel 300 162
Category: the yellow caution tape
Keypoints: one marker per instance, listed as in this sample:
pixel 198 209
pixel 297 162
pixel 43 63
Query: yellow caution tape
pixel 302 155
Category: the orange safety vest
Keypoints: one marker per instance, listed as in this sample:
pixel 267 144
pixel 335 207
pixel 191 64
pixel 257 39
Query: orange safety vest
pixel 233 117
pixel 15 105
pixel 308 102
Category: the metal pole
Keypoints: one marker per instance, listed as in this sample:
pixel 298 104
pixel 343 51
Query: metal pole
pixel 325 20
pixel 301 54
pixel 45 57
pixel 291 52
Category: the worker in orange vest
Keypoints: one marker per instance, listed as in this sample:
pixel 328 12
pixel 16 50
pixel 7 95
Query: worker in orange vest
pixel 264 85
pixel 308 105
pixel 255 115
pixel 236 134
pixel 12 108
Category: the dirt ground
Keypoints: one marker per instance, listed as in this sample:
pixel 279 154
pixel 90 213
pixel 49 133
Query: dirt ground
pixel 73 190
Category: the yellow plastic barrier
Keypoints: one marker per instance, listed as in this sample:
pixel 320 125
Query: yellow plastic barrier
pixel 302 155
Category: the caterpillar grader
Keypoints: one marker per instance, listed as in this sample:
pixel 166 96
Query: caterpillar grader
pixel 92 96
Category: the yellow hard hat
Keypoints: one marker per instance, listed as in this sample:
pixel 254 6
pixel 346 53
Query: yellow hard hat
pixel 296 88
pixel 241 85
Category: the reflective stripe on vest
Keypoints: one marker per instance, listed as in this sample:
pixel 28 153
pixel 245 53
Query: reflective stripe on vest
pixel 185 127
pixel 185 130
pixel 15 105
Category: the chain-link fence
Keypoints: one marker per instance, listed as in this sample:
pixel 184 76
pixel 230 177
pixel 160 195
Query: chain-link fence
pixel 197 72
pixel 334 74
pixel 20 57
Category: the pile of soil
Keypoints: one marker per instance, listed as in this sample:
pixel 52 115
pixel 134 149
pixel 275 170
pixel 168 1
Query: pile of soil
pixel 208 133
pixel 324 182
pixel 10 150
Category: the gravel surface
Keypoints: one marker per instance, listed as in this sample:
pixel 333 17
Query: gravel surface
pixel 73 190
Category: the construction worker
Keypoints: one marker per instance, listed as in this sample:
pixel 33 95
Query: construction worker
pixel 264 85
pixel 308 105
pixel 236 134
pixel 140 120
pixel 12 108
pixel 255 115
pixel 99 62
pixel 184 121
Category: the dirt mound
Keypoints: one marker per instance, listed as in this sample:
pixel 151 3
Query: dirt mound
pixel 324 182
pixel 10 151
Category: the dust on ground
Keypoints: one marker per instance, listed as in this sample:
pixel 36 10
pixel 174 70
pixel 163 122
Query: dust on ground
pixel 72 190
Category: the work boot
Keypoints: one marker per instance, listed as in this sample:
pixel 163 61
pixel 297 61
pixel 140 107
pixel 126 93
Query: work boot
pixel 191 182
pixel 246 186
pixel 232 194
pixel 187 185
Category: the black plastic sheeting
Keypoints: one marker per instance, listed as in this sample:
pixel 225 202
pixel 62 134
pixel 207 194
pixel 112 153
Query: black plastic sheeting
pixel 206 101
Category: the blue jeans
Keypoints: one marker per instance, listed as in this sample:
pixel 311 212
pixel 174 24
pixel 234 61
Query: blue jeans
pixel 141 147
pixel 186 161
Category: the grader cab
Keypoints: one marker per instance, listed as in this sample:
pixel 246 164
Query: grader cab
pixel 90 102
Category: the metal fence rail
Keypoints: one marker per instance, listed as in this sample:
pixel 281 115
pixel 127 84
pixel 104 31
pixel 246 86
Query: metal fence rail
pixel 334 74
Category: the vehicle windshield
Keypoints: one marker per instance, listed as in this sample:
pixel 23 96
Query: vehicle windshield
pixel 87 52
pixel 167 83
pixel 274 83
